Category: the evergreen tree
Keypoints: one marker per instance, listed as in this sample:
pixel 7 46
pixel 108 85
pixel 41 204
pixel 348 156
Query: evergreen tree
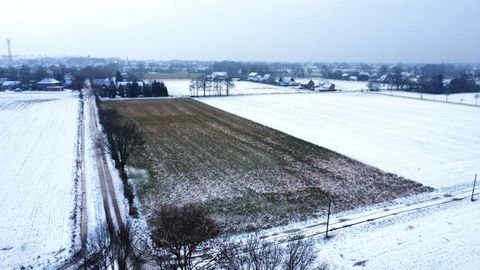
pixel 147 90
pixel 112 90
pixel 128 90
pixel 135 91
pixel 118 77
pixel 121 90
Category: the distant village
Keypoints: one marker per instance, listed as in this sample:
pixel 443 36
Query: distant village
pixel 56 74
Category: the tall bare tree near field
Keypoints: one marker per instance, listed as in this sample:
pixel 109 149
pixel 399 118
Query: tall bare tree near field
pixel 122 139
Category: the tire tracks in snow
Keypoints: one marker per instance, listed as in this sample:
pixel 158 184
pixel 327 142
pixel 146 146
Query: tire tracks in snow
pixel 315 230
pixel 110 203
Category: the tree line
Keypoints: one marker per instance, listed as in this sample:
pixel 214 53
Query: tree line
pixel 122 140
pixel 132 89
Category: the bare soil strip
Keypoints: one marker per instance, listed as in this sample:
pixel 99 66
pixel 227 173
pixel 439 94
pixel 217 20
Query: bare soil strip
pixel 248 175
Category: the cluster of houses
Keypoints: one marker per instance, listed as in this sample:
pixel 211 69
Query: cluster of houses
pixel 290 81
pixel 47 84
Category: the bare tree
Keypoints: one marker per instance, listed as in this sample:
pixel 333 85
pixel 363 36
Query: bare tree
pixel 125 139
pixel 109 249
pixel 98 254
pixel 300 255
pixel 122 139
pixel 255 255
pixel 258 255
pixel 181 230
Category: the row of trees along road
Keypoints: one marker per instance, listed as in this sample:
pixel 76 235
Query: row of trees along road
pixel 122 140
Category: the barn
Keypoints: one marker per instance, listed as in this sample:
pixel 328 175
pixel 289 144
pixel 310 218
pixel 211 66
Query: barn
pixel 49 84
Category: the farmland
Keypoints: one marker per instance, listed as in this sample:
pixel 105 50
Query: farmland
pixel 37 167
pixel 248 175
pixel 434 143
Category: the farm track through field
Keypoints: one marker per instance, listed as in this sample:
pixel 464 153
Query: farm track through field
pixel 111 206
pixel 110 202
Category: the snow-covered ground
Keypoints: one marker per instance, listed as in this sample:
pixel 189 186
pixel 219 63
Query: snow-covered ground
pixel 436 144
pixel 443 237
pixel 37 165
pixel 463 98
pixel 182 88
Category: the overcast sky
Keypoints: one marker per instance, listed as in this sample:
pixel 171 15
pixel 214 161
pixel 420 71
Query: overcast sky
pixel 424 31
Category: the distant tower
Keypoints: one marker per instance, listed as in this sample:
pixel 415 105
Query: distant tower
pixel 10 58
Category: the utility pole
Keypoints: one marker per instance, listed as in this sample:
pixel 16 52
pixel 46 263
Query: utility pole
pixel 328 216
pixel 10 58
pixel 473 190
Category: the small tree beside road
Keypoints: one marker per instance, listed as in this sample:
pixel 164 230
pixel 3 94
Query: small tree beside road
pixel 181 231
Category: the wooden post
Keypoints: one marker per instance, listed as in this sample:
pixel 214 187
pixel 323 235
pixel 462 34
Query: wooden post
pixel 473 190
pixel 328 216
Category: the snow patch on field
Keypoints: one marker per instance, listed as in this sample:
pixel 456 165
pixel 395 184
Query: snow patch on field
pixel 433 143
pixel 37 165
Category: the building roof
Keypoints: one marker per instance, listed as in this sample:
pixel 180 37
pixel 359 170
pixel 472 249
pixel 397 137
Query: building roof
pixel 286 79
pixel 10 83
pixel 219 74
pixel 48 81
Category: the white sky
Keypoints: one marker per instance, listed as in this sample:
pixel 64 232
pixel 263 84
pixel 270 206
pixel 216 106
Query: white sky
pixel 263 30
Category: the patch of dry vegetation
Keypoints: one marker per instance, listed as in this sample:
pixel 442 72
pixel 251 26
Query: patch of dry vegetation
pixel 249 176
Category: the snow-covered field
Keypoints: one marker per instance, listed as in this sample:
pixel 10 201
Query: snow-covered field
pixel 463 98
pixel 181 88
pixel 436 144
pixel 37 164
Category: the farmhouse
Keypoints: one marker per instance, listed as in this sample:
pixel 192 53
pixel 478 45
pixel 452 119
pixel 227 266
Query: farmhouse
pixel 310 85
pixel 49 84
pixel 252 76
pixel 326 86
pixel 268 78
pixel 219 76
pixel 287 81
pixel 10 85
